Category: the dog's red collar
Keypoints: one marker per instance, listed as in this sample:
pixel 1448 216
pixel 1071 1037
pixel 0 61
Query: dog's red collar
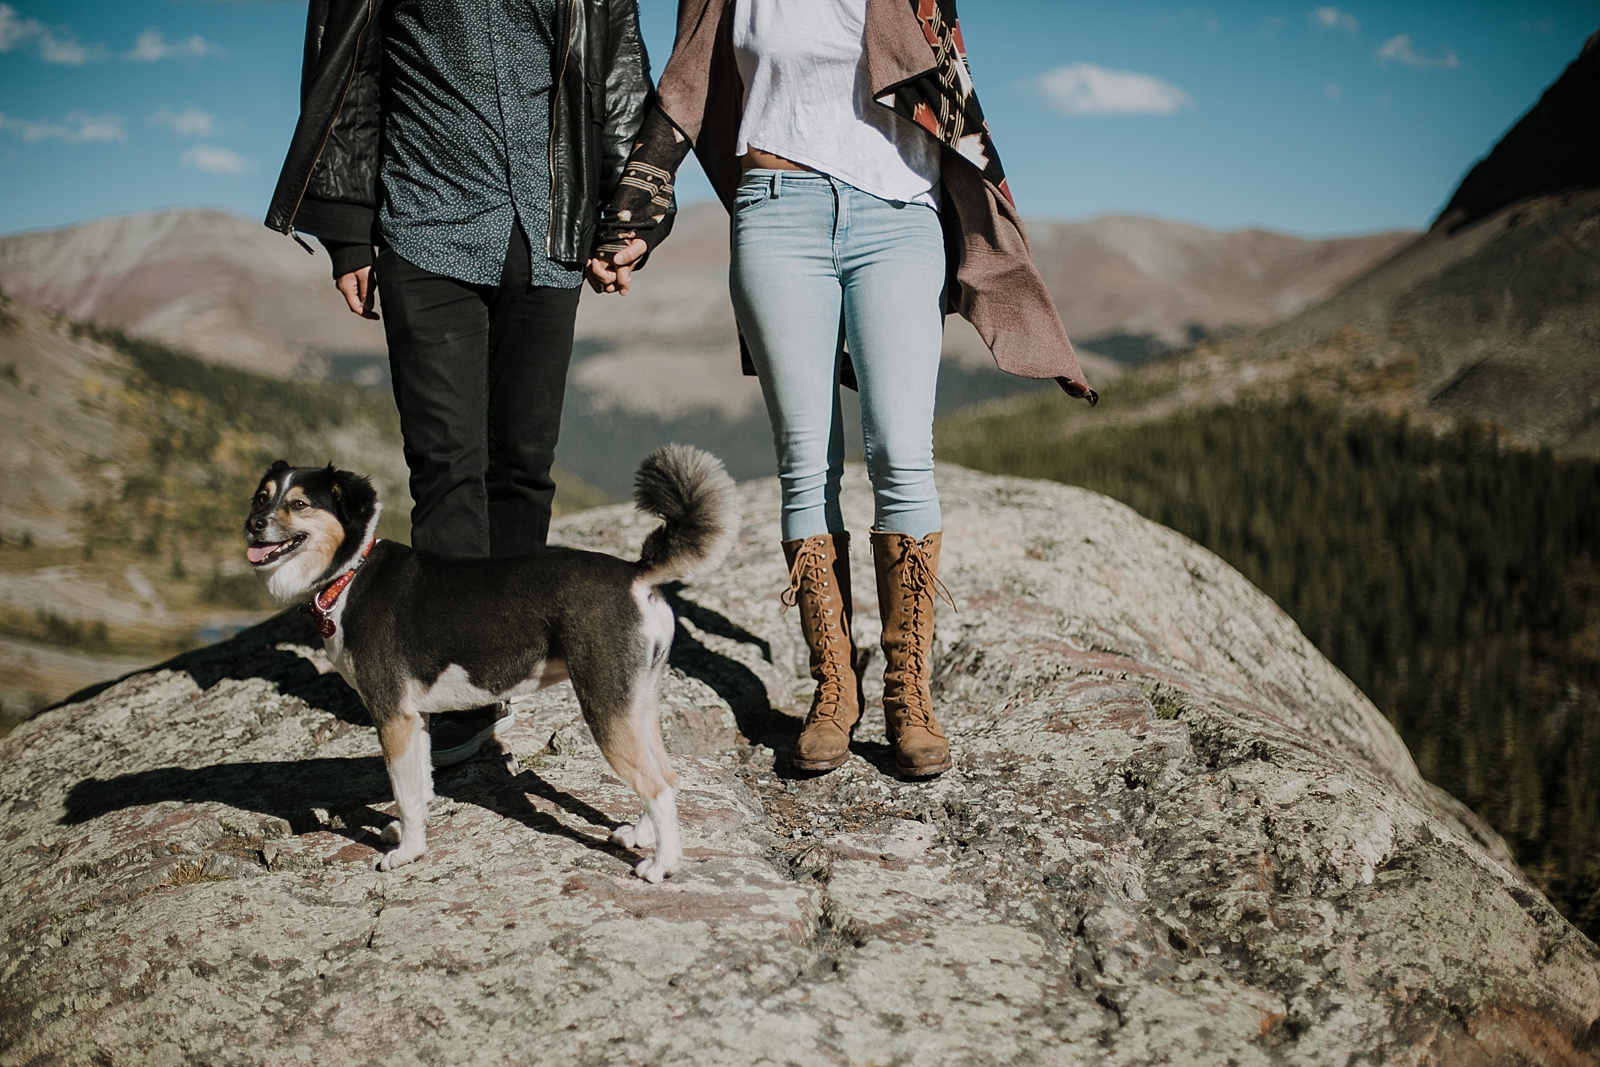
pixel 322 604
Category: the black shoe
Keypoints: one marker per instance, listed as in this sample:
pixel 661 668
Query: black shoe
pixel 456 736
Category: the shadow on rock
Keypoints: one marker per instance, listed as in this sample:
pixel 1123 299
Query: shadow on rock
pixel 342 796
pixel 731 680
pixel 878 754
pixel 511 801
pixel 253 653
pixel 292 790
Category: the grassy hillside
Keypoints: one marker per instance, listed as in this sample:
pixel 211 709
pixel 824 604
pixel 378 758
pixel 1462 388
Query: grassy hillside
pixel 162 451
pixel 199 435
pixel 1454 578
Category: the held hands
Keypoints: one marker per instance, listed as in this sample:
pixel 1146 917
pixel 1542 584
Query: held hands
pixel 611 273
pixel 606 274
pixel 359 292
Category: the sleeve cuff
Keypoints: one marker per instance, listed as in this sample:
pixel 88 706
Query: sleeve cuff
pixel 347 258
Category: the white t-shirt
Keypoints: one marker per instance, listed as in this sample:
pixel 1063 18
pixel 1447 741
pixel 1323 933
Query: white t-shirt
pixel 807 98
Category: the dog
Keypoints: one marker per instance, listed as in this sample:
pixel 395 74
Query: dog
pixel 416 633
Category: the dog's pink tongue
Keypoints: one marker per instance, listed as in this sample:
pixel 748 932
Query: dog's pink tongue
pixel 257 553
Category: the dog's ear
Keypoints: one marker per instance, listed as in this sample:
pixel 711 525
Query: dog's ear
pixel 353 497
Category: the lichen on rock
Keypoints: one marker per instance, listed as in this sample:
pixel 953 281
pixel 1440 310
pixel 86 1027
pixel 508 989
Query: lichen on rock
pixel 1174 833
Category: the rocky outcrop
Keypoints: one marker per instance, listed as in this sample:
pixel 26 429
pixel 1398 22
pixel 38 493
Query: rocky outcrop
pixel 1174 833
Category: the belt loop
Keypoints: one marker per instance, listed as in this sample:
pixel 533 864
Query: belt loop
pixel 777 184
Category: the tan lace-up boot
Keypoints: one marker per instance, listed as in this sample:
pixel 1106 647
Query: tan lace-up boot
pixel 819 582
pixel 908 576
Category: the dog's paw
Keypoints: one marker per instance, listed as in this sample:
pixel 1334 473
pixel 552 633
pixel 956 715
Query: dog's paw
pixel 653 870
pixel 401 856
pixel 634 835
pixel 391 833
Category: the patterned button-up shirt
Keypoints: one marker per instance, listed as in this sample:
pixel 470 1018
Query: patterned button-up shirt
pixel 466 135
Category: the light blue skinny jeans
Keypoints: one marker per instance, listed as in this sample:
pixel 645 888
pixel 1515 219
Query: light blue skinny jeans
pixel 816 260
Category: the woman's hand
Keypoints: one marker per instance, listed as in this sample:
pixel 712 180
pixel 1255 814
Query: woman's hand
pixel 613 273
pixel 359 292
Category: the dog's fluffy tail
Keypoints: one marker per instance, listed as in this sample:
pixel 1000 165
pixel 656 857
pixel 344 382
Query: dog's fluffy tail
pixel 691 491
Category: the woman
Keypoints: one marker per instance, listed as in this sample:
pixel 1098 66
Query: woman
pixel 844 138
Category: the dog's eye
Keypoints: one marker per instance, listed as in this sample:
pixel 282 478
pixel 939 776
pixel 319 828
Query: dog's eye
pixel 261 498
pixel 299 505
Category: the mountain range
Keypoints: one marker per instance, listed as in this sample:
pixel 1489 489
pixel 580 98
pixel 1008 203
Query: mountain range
pixel 1492 314
pixel 90 440
pixel 662 362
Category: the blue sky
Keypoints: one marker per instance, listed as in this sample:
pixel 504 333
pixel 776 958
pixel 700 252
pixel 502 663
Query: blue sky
pixel 1304 117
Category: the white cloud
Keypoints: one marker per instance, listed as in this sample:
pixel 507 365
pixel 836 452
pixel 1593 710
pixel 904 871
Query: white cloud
pixel 76 128
pixel 190 122
pixel 214 160
pixel 1085 89
pixel 1331 18
pixel 14 29
pixel 1190 17
pixel 55 44
pixel 1398 50
pixel 68 50
pixel 152 46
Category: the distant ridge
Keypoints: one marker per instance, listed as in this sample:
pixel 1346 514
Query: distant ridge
pixel 1554 148
pixel 1491 315
pixel 661 364
pixel 229 290
pixel 222 287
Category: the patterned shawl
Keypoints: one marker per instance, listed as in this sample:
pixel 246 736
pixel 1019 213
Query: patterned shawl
pixel 942 101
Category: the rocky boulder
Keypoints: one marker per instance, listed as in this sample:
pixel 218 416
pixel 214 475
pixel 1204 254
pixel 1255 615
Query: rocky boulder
pixel 1174 833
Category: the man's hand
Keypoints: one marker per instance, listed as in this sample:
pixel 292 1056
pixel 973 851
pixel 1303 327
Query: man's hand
pixel 612 274
pixel 359 292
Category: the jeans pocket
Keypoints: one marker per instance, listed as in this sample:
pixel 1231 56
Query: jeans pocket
pixel 750 196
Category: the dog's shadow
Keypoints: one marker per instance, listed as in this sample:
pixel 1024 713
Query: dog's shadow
pixel 738 685
pixel 341 794
pixel 254 653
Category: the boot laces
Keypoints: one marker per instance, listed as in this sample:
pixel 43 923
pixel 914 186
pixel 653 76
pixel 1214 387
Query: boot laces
pixel 810 572
pixel 924 584
pixel 808 563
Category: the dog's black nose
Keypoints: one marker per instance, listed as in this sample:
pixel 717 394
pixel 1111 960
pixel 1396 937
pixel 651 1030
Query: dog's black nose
pixel 257 524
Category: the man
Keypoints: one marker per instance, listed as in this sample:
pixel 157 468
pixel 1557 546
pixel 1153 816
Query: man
pixel 471 143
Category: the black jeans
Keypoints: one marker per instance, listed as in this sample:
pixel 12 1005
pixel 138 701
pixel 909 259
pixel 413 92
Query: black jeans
pixel 479 374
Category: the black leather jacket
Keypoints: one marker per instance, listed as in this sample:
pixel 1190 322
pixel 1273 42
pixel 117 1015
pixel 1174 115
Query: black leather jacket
pixel 329 182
